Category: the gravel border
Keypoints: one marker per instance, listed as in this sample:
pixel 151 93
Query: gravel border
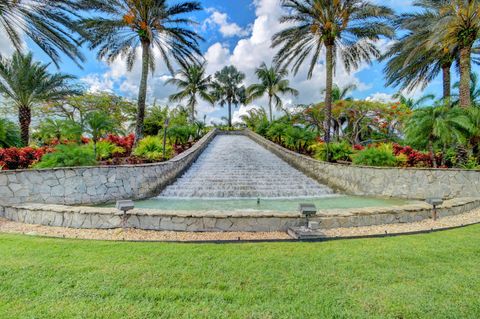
pixel 10 227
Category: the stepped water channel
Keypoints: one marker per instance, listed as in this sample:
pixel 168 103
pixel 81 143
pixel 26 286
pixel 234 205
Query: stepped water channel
pixel 234 166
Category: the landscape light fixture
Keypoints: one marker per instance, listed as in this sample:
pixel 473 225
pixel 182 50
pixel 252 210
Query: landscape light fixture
pixel 307 210
pixel 124 206
pixel 434 201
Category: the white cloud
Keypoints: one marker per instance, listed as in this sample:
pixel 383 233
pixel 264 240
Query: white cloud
pixel 381 97
pixel 221 20
pixel 98 82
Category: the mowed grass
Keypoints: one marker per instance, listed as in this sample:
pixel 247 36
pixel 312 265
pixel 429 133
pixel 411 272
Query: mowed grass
pixel 422 276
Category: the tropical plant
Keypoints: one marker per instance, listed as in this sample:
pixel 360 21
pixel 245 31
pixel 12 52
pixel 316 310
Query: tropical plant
pixel 256 120
pixel 344 27
pixel 98 124
pixel 105 150
pixel 9 134
pixel 474 91
pixel 342 93
pixel 456 25
pixel 228 89
pixel 151 148
pixel 193 84
pixel 298 139
pixel 21 158
pixel 375 156
pixel 414 60
pixel 438 125
pixel 27 83
pixel 50 24
pixel 55 129
pixel 151 24
pixel 412 103
pixel 276 132
pixel 341 151
pixel 273 82
pixel 68 155
pixel 181 134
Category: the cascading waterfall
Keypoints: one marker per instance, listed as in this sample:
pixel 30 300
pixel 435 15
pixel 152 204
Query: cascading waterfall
pixel 234 166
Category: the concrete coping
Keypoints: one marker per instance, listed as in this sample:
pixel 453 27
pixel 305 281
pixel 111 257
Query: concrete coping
pixel 413 207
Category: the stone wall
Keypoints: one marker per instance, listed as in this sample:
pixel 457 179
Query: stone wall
pixel 95 185
pixel 150 219
pixel 410 183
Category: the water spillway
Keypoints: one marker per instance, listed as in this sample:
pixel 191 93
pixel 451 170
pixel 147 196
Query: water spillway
pixel 234 166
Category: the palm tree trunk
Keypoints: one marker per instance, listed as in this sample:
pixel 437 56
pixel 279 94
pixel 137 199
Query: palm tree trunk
pixel 142 92
pixel 432 153
pixel 229 114
pixel 24 119
pixel 465 77
pixel 446 80
pixel 328 92
pixel 270 107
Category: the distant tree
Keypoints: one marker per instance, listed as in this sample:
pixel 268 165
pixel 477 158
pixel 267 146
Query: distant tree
pixel 228 89
pixel 412 103
pixel 98 124
pixel 273 83
pixel 193 84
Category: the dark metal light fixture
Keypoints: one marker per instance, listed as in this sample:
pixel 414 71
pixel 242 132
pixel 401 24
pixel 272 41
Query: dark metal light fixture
pixel 434 201
pixel 124 206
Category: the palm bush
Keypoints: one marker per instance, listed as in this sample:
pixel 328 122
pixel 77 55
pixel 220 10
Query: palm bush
pixel 98 124
pixel 181 134
pixel 298 139
pixel 9 134
pixel 68 155
pixel 375 156
pixel 341 151
pixel 105 150
pixel 276 132
pixel 55 129
pixel 151 148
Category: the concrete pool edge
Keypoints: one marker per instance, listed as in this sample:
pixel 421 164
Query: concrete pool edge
pixel 216 221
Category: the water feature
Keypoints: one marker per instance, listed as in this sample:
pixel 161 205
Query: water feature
pixel 234 166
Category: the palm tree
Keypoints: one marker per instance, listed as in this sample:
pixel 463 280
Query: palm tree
pixel 98 124
pixel 457 25
pixel 412 103
pixel 474 91
pixel 342 94
pixel 194 83
pixel 151 24
pixel 50 24
pixel 412 60
pixel 344 27
pixel 272 82
pixel 228 89
pixel 439 124
pixel 27 83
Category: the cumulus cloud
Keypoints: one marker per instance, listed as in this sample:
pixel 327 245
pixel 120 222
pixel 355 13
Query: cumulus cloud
pixel 221 20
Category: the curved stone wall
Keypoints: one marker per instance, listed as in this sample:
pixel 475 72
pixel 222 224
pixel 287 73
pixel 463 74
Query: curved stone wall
pixel 410 183
pixel 95 185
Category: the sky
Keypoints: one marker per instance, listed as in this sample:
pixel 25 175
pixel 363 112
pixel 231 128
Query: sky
pixel 236 32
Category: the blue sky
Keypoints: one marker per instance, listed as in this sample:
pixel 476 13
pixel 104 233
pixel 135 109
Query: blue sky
pixel 236 32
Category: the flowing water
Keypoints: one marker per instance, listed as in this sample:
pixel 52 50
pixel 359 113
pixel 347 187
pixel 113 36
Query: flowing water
pixel 234 166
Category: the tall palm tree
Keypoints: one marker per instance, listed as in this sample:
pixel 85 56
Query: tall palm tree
pixel 438 125
pixel 344 27
pixel 228 89
pixel 50 24
pixel 273 83
pixel 193 84
pixel 124 25
pixel 474 90
pixel 27 83
pixel 342 93
pixel 412 60
pixel 457 25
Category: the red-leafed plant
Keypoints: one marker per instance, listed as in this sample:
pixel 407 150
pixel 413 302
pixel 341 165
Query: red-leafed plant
pixel 20 158
pixel 125 142
pixel 414 158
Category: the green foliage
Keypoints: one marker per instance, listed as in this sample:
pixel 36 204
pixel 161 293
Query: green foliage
pixel 375 156
pixel 151 148
pixel 181 134
pixel 276 132
pixel 69 155
pixel 298 139
pixel 9 134
pixel 51 129
pixel 106 150
pixel 341 151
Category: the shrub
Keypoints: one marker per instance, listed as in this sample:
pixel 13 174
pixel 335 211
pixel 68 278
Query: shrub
pixel 181 134
pixel 338 151
pixel 68 156
pixel 125 142
pixel 414 158
pixel 20 158
pixel 298 139
pixel 106 150
pixel 375 156
pixel 151 148
pixel 9 134
pixel 276 132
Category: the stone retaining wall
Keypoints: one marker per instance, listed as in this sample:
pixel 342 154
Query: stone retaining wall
pixel 107 218
pixel 410 183
pixel 95 185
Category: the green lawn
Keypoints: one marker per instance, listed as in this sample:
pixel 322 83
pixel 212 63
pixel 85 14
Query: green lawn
pixel 428 276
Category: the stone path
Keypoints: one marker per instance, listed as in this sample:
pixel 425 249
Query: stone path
pixel 234 166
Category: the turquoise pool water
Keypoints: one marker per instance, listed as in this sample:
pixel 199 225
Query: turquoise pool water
pixel 285 205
